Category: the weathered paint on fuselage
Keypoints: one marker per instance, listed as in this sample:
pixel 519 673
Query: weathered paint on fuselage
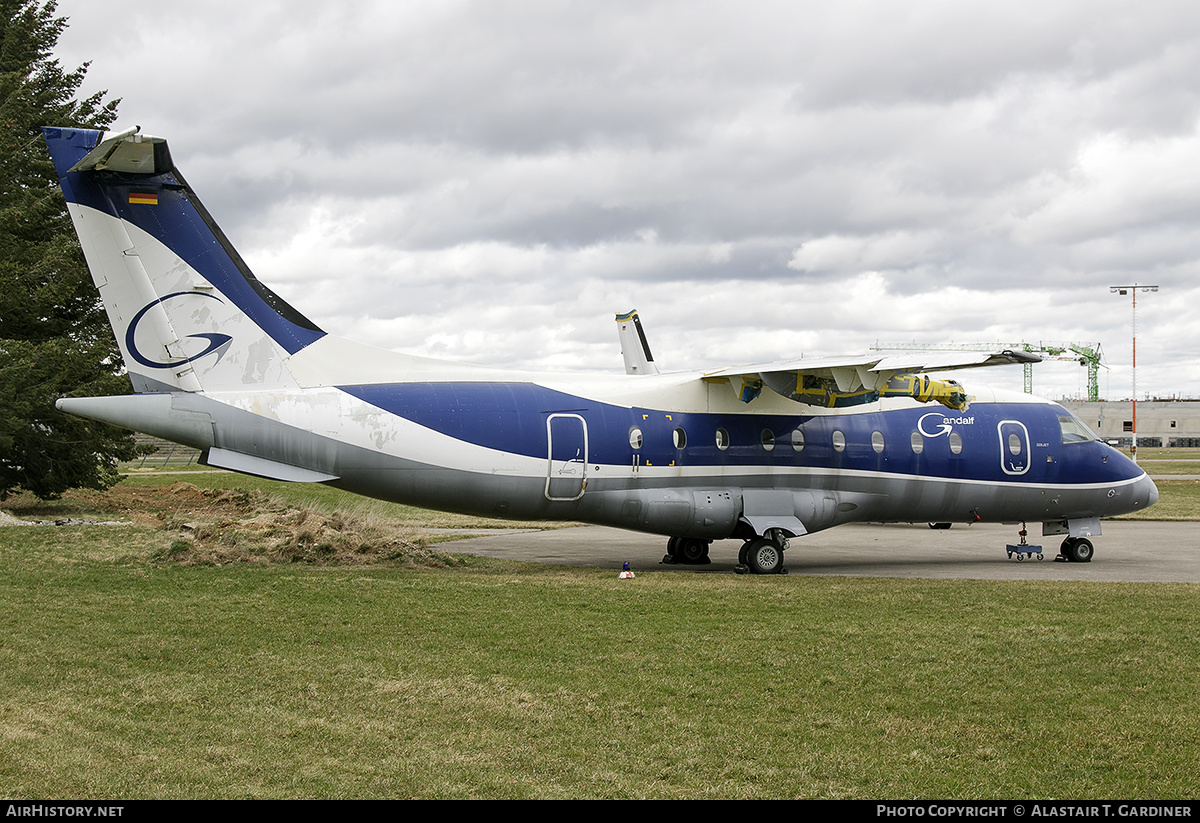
pixel 482 448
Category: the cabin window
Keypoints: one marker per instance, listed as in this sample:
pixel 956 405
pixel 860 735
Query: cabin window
pixel 768 439
pixel 722 439
pixel 839 441
pixel 635 437
pixel 680 438
pixel 1074 430
pixel 798 440
pixel 877 442
pixel 1014 443
pixel 955 443
pixel 918 442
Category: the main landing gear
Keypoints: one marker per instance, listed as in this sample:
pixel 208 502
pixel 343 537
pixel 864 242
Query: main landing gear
pixel 1076 550
pixel 691 551
pixel 763 555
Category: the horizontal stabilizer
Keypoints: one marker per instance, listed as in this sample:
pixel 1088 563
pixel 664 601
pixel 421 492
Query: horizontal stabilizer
pixel 261 467
pixel 129 152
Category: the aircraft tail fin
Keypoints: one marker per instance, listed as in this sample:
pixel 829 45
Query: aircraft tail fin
pixel 634 347
pixel 187 312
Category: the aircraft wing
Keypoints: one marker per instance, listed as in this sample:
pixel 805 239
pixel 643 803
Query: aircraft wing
pixel 844 381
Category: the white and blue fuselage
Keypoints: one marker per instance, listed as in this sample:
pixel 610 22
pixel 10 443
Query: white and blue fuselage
pixel 223 364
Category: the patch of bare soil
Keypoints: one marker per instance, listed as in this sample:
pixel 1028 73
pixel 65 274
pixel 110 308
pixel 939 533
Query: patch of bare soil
pixel 217 526
pixel 223 526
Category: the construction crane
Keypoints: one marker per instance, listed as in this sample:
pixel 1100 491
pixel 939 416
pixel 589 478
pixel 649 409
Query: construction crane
pixel 1086 354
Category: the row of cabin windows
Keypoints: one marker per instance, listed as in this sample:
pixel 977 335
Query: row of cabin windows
pixel 679 437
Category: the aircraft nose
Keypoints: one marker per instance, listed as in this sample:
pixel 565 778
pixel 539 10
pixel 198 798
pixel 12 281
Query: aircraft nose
pixel 1144 494
pixel 1150 490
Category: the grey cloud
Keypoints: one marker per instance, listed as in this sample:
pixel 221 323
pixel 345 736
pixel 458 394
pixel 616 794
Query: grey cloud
pixel 409 166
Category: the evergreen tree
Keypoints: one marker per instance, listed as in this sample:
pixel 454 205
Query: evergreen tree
pixel 54 337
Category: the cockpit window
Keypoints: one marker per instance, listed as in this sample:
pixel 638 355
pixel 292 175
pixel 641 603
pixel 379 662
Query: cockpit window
pixel 1073 430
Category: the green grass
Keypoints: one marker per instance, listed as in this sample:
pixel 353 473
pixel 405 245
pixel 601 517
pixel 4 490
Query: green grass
pixel 1160 461
pixel 129 676
pixel 1158 468
pixel 1163 453
pixel 126 678
pixel 1177 500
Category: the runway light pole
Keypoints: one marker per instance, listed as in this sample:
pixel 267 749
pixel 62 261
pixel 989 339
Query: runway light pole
pixel 1133 290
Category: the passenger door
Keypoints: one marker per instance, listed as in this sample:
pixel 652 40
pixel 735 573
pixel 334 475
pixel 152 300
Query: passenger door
pixel 567 453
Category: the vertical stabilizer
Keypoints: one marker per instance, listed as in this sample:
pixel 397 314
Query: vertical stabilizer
pixel 187 312
pixel 634 348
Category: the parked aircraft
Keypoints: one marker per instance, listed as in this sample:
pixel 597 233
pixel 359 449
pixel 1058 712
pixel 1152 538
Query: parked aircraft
pixel 760 453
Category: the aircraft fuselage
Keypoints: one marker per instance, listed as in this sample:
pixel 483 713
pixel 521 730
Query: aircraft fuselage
pixel 524 450
pixel 761 452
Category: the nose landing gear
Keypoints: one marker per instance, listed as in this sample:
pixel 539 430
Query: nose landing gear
pixel 1023 549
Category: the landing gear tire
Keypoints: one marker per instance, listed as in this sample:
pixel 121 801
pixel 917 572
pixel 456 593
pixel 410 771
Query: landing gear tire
pixel 672 555
pixel 1082 550
pixel 692 551
pixel 1077 550
pixel 763 556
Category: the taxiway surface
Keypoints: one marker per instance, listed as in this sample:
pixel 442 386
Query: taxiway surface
pixel 1131 551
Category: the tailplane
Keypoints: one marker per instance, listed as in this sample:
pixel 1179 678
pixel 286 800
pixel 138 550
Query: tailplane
pixel 187 312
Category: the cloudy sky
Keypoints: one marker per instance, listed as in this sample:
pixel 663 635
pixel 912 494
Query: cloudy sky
pixel 492 181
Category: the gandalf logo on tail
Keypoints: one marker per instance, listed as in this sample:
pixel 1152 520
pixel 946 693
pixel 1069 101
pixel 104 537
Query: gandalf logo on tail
pixel 216 342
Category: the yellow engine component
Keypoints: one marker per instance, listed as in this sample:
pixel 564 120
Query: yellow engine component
pixel 816 390
pixel 925 389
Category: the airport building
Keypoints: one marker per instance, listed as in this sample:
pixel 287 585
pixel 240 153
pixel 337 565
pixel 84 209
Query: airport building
pixel 1160 423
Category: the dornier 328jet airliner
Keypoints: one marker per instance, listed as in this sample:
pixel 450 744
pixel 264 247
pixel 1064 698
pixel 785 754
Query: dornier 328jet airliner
pixel 760 453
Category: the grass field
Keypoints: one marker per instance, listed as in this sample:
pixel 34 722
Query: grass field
pixel 127 676
pixel 1169 461
pixel 1178 499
